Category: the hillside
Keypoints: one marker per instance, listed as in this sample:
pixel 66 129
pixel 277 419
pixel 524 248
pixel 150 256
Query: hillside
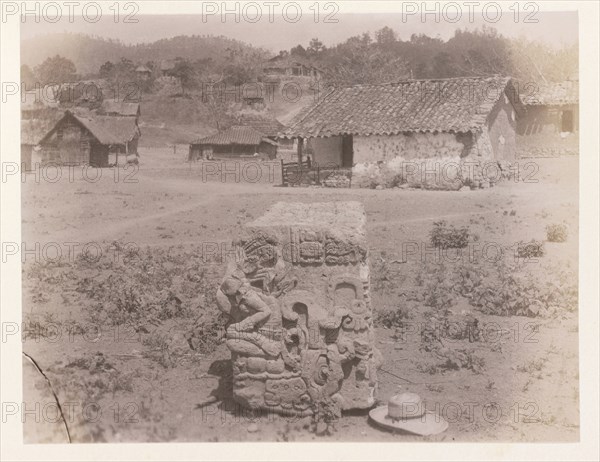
pixel 175 111
pixel 170 118
pixel 88 53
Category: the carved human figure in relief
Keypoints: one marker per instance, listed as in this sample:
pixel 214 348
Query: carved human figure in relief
pixel 258 327
pixel 249 294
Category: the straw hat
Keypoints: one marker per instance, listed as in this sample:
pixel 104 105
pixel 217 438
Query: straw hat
pixel 406 412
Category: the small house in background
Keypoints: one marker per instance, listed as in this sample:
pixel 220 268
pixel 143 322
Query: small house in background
pixel 256 103
pixel 550 108
pixel 291 66
pixel 269 126
pixel 166 66
pixel 236 142
pixel 91 139
pixel 143 72
pixel 37 101
pixel 83 93
pixel 112 107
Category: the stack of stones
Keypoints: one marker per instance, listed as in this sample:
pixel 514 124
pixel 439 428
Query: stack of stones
pixel 540 152
pixel 337 180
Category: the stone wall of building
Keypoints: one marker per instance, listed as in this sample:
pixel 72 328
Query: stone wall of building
pixel 408 146
pixel 426 160
pixel 502 129
pixel 451 162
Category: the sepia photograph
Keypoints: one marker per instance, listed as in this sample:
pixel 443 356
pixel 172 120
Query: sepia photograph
pixel 300 222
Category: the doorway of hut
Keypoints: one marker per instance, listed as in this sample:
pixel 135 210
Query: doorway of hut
pixel 98 155
pixel 347 151
pixel 567 121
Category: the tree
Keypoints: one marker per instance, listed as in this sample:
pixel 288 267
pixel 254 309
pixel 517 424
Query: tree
pixel 298 51
pixel 56 70
pixel 315 46
pixel 124 71
pixel 359 61
pixel 107 70
pixel 27 77
pixel 442 65
pixel 385 36
pixel 184 72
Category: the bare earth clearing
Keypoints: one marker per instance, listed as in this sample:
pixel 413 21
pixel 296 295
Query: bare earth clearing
pixel 130 340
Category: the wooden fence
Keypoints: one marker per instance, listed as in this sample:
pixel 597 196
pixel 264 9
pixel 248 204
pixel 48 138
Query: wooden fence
pixel 295 174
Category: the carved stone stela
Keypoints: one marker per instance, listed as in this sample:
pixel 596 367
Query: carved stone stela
pixel 298 295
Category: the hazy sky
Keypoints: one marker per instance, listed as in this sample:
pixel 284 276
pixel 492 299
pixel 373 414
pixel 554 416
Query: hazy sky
pixel 553 27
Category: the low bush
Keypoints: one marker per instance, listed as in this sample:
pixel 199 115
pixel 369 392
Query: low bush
pixel 557 232
pixel 531 249
pixel 447 236
pixel 141 290
pixel 391 318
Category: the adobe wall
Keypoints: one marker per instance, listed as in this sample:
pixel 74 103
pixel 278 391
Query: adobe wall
pixel 444 161
pixel 502 130
pixel 409 146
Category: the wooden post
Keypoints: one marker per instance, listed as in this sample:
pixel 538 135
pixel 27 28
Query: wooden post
pixel 300 144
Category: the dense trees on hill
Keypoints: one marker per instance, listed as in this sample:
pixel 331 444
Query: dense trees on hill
pixel 468 53
pixel 380 57
pixel 56 69
pixel 89 53
pixel 28 77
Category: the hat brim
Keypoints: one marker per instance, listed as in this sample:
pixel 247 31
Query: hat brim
pixel 425 425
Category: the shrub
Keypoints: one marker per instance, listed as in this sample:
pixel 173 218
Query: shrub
pixel 557 232
pixel 512 293
pixel 447 236
pixel 531 249
pixel 391 318
pixel 142 289
pixel 326 413
pixel 206 332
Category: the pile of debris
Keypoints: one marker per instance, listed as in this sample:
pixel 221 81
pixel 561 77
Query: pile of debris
pixel 337 180
pixel 539 152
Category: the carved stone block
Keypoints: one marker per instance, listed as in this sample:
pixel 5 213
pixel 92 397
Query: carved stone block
pixel 298 295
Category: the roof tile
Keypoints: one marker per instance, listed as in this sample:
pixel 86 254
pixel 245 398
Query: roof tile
pixel 445 105
pixel 237 134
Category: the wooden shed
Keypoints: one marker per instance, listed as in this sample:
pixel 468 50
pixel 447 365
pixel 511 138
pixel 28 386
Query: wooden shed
pixel 90 139
pixel 120 108
pixel 551 108
pixel 235 142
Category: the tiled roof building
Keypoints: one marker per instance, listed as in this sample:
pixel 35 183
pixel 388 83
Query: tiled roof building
pixel 236 141
pixel 408 121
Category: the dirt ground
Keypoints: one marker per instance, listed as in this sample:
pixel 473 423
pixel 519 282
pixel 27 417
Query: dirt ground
pixel 155 231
